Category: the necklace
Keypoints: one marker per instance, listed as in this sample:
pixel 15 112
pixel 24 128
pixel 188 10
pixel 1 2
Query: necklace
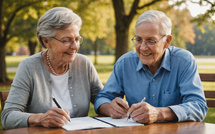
pixel 50 66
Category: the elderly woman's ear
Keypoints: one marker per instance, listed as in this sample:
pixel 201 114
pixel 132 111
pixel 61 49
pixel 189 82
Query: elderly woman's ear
pixel 44 41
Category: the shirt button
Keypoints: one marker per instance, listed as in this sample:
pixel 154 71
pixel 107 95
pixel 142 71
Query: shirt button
pixel 153 94
pixel 72 95
pixel 153 79
pixel 71 88
pixel 153 98
pixel 74 105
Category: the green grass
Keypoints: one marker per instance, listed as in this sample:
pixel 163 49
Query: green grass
pixel 13 61
pixel 104 69
pixel 210 117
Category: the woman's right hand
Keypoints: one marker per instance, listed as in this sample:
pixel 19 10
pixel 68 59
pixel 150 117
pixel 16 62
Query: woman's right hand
pixel 55 117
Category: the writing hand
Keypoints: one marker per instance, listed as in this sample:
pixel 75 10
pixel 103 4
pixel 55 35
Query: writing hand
pixel 55 117
pixel 118 108
pixel 144 113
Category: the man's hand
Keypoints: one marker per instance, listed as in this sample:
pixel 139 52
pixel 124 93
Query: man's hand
pixel 145 113
pixel 118 108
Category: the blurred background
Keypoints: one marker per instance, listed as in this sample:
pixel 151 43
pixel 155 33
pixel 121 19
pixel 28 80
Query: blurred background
pixel 108 26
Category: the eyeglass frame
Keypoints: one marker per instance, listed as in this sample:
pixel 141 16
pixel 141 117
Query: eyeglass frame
pixel 71 42
pixel 147 43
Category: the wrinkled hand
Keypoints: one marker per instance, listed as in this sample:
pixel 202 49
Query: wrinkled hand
pixel 55 117
pixel 144 113
pixel 118 108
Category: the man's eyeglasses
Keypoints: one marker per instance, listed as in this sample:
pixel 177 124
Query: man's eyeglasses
pixel 138 41
pixel 68 41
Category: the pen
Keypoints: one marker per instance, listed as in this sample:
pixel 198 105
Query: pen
pixel 56 102
pixel 129 114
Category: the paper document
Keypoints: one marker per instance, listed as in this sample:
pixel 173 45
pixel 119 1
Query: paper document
pixel 81 123
pixel 119 122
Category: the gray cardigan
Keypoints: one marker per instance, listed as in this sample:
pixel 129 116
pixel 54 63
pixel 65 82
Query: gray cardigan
pixel 31 90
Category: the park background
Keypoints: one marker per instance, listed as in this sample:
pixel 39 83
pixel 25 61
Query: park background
pixel 108 26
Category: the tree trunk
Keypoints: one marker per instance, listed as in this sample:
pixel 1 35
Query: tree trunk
pixel 123 22
pixel 121 40
pixel 32 46
pixel 95 51
pixel 3 74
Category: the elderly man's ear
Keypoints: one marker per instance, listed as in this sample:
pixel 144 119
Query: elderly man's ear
pixel 168 40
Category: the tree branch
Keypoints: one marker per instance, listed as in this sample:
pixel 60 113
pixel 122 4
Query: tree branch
pixel 13 16
pixel 135 7
pixel 150 3
pixel 1 5
pixel 118 9
pixel 133 11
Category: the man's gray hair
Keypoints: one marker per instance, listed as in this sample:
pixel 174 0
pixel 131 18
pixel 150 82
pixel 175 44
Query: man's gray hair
pixel 57 18
pixel 156 16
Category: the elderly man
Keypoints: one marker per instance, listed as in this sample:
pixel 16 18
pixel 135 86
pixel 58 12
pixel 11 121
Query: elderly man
pixel 165 75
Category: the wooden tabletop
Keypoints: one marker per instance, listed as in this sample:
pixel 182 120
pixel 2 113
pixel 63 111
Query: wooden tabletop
pixel 160 128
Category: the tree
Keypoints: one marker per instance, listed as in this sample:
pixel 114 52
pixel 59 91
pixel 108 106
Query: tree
pixel 9 12
pixel 182 28
pixel 208 15
pixel 204 42
pixel 26 25
pixel 95 15
pixel 123 21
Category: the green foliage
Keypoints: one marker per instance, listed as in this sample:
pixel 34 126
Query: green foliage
pixel 208 15
pixel 204 42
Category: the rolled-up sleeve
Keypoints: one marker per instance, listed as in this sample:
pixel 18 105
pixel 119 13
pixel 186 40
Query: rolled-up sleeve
pixel 112 89
pixel 193 107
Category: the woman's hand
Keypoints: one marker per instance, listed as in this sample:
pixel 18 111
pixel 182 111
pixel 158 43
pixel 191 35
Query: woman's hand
pixel 55 117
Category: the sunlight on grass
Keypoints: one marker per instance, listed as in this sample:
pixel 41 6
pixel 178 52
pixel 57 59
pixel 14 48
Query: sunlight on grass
pixel 13 61
pixel 210 117
pixel 103 59
pixel 205 63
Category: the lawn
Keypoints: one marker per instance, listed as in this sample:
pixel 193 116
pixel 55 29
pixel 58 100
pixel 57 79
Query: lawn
pixel 104 69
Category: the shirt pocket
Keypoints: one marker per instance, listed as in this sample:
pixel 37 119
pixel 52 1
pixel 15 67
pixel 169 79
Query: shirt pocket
pixel 170 98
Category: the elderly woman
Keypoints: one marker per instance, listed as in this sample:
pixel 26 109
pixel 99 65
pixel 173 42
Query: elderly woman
pixel 166 76
pixel 59 71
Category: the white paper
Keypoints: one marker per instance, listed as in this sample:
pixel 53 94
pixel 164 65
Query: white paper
pixel 81 123
pixel 120 122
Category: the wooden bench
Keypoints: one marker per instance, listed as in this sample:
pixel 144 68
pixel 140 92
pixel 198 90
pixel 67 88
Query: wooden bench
pixel 209 94
pixel 3 97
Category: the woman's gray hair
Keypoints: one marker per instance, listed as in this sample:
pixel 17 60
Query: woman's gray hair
pixel 156 16
pixel 57 18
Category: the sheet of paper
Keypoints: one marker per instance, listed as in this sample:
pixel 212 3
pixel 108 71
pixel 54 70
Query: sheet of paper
pixel 81 123
pixel 120 122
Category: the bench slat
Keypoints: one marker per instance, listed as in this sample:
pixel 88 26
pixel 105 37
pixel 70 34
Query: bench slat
pixel 209 94
pixel 207 77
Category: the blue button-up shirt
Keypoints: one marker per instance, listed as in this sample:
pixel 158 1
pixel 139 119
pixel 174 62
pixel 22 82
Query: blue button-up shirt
pixel 176 84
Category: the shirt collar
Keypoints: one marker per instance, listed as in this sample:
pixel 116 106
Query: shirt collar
pixel 165 63
pixel 166 60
